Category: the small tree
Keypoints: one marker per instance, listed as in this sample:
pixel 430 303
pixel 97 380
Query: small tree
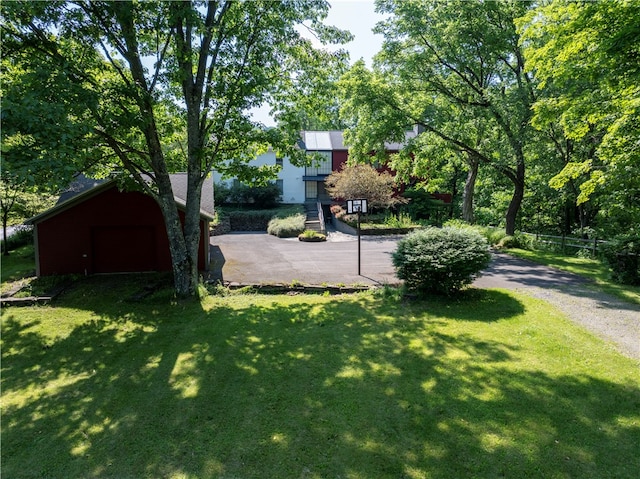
pixel 363 181
pixel 440 260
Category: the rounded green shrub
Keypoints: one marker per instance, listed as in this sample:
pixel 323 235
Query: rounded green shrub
pixel 312 236
pixel 440 260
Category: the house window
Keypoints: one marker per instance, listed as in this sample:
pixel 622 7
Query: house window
pixel 311 190
pixel 278 161
pixel 321 164
pixel 280 185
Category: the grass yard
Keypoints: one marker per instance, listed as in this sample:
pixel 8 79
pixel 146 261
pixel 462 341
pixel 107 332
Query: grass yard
pixel 494 384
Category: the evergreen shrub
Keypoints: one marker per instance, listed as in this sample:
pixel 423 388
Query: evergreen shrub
pixel 443 261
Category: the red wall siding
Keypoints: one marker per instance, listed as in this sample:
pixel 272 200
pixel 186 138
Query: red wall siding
pixel 338 159
pixel 111 232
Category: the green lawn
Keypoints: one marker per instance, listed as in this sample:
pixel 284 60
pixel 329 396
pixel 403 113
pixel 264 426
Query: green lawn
pixel 494 384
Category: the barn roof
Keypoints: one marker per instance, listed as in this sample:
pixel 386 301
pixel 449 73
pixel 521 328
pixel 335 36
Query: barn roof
pixel 84 188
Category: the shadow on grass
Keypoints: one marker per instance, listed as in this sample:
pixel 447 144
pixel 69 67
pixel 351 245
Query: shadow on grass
pixel 299 387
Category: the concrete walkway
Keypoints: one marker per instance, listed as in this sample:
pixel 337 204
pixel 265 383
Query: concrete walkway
pixel 259 258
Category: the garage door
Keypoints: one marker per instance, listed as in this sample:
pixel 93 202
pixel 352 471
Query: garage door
pixel 118 249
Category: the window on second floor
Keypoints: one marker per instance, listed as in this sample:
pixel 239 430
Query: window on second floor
pixel 321 164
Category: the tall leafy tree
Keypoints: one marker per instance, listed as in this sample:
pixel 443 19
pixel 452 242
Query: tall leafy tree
pixel 586 56
pixel 455 69
pixel 167 85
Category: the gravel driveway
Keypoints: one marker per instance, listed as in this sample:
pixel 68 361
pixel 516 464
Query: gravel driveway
pixel 257 258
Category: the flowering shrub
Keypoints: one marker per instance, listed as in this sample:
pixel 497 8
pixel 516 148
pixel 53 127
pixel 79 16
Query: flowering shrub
pixel 338 211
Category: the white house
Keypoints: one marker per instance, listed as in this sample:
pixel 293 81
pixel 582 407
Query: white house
pixel 305 184
pixel 290 177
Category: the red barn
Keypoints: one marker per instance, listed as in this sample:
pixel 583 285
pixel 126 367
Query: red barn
pixel 96 228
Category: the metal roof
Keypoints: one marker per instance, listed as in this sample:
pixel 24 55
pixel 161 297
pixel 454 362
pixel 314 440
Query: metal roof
pixel 333 140
pixel 317 140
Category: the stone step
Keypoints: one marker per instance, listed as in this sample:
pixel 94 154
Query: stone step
pixel 313 225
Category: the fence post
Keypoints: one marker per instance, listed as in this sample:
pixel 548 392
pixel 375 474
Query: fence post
pixel 595 245
pixel 563 241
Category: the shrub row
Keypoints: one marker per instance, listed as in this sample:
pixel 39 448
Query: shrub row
pixel 259 197
pixel 256 220
pixel 288 227
pixel 621 254
pixel 623 257
pixel 250 220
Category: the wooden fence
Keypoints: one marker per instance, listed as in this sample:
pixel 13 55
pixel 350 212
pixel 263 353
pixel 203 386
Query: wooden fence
pixel 565 242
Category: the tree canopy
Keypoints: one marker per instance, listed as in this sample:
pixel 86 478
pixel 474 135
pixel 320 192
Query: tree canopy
pixel 536 102
pixel 586 57
pixel 456 70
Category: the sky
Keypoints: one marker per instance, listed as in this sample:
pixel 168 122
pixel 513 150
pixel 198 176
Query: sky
pixel 358 17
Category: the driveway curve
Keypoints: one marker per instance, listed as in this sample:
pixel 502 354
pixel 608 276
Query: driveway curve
pixel 259 258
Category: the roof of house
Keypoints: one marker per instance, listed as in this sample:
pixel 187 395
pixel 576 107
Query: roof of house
pixel 84 188
pixel 332 140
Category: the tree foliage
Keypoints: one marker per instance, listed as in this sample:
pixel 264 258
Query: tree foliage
pixel 586 56
pixel 511 94
pixel 147 88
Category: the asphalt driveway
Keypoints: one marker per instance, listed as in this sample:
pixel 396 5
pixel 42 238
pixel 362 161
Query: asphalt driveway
pixel 260 258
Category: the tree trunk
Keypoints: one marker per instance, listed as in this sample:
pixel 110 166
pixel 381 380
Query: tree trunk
pixel 469 189
pixel 184 279
pixel 192 233
pixel 516 199
pixel 4 236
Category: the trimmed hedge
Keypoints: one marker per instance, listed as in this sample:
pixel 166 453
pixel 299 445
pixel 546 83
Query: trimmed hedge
pixel 256 220
pixel 250 220
pixel 435 260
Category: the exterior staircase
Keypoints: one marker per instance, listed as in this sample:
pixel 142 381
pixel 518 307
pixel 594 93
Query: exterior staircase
pixel 314 220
